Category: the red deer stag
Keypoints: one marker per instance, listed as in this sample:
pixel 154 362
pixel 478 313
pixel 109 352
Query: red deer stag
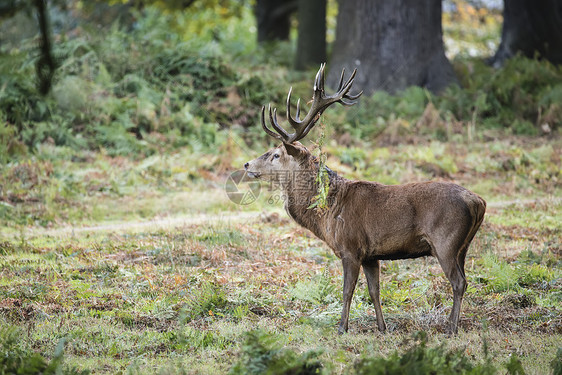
pixel 366 222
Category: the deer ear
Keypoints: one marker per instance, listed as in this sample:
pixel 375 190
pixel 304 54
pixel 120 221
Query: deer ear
pixel 292 149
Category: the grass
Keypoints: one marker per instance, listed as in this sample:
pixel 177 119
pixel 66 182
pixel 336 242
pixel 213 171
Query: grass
pixel 185 296
pixel 149 277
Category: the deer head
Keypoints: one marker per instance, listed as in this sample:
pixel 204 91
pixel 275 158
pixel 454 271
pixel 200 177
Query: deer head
pixel 291 155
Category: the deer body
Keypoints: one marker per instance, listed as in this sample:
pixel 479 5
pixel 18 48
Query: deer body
pixel 366 222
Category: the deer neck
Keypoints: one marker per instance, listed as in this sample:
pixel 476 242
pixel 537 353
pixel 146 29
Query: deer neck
pixel 300 193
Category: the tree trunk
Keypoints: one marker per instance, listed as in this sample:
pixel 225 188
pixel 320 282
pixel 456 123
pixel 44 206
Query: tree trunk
pixel 274 19
pixel 531 27
pixel 394 44
pixel 311 44
pixel 45 65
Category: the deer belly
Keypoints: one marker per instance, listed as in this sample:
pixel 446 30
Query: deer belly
pixel 400 248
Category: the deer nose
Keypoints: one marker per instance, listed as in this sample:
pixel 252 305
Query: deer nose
pixel 246 165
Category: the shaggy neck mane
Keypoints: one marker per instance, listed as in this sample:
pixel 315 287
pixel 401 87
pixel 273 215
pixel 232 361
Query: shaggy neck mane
pixel 300 192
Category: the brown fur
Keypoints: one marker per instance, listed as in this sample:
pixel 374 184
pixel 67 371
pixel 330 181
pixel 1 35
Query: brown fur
pixel 366 222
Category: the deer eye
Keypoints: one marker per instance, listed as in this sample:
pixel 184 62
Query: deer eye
pixel 275 156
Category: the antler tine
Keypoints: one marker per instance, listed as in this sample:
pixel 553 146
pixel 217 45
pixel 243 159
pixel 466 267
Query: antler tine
pixel 347 98
pixel 275 124
pixel 264 125
pixel 343 90
pixel 351 100
pixel 341 80
pixel 289 105
pixel 294 123
pixel 354 97
pixel 289 101
pixel 319 81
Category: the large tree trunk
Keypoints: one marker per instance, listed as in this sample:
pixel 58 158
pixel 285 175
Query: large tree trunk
pixel 394 44
pixel 311 44
pixel 274 19
pixel 531 27
pixel 45 65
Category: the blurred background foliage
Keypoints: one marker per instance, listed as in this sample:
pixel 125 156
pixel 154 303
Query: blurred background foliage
pixel 139 77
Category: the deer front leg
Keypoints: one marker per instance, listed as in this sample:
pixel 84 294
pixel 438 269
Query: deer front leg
pixel 372 273
pixel 350 274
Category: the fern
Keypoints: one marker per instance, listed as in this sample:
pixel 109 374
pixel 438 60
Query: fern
pixel 263 354
pixel 322 180
pixel 204 301
pixel 325 291
pixel 421 359
pixel 320 290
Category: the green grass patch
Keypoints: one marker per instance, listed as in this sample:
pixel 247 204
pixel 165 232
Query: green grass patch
pixel 17 360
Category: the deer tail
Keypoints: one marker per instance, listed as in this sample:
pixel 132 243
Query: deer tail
pixel 477 208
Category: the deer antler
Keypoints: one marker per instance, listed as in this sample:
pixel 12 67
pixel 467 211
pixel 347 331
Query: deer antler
pixel 319 103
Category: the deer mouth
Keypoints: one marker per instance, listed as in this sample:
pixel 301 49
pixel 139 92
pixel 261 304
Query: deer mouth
pixel 253 174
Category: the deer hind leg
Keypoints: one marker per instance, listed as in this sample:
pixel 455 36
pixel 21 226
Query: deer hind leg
pixel 451 259
pixel 350 274
pixel 372 273
pixel 454 270
pixel 458 282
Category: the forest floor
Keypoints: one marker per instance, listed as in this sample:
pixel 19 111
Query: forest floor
pixel 140 268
